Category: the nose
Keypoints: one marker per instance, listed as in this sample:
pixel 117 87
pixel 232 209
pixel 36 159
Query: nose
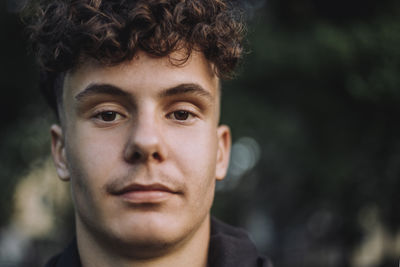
pixel 145 143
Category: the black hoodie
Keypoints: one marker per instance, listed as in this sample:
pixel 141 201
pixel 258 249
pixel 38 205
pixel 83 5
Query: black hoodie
pixel 229 247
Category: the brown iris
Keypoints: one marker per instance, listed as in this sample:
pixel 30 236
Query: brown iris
pixel 108 115
pixel 181 115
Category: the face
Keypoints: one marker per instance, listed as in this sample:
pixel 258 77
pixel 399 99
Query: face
pixel 141 145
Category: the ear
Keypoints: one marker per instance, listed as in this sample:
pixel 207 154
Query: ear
pixel 224 151
pixel 58 152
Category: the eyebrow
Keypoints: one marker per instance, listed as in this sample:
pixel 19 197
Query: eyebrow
pixel 186 89
pixel 181 89
pixel 95 89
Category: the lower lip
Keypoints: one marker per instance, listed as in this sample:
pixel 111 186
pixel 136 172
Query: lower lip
pixel 146 196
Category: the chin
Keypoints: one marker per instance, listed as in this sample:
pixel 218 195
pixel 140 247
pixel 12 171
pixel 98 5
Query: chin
pixel 147 236
pixel 149 228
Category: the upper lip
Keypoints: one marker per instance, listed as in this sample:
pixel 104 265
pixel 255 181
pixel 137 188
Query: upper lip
pixel 143 187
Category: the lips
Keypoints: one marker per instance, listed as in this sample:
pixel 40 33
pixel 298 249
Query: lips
pixel 139 193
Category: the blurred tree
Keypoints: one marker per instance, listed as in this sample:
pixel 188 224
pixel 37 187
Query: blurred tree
pixel 322 99
pixel 22 134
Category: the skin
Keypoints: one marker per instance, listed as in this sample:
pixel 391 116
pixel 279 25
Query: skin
pixel 144 122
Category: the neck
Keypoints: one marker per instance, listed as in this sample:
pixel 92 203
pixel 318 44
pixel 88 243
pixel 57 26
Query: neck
pixel 191 251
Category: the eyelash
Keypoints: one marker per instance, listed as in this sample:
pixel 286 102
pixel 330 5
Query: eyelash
pixel 187 114
pixel 98 115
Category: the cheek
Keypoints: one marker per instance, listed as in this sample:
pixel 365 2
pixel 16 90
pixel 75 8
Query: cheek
pixel 194 153
pixel 196 147
pixel 91 157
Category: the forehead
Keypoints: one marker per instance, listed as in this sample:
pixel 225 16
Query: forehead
pixel 144 74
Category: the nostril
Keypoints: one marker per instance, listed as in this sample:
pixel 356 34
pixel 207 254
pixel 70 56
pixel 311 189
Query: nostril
pixel 137 155
pixel 156 156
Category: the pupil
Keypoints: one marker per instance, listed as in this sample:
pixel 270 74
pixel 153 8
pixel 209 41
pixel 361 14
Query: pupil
pixel 108 115
pixel 181 115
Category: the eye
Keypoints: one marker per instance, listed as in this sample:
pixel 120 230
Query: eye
pixel 181 115
pixel 108 116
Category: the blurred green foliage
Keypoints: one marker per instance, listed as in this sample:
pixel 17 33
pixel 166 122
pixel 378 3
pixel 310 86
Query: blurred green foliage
pixel 320 93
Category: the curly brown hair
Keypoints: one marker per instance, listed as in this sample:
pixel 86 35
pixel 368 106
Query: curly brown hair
pixel 62 32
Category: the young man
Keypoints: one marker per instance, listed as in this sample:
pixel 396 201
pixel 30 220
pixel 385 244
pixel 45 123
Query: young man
pixel 136 87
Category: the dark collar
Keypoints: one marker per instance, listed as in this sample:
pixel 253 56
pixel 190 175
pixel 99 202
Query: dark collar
pixel 68 258
pixel 231 246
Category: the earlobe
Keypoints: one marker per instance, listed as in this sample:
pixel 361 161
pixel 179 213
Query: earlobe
pixel 224 149
pixel 58 152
